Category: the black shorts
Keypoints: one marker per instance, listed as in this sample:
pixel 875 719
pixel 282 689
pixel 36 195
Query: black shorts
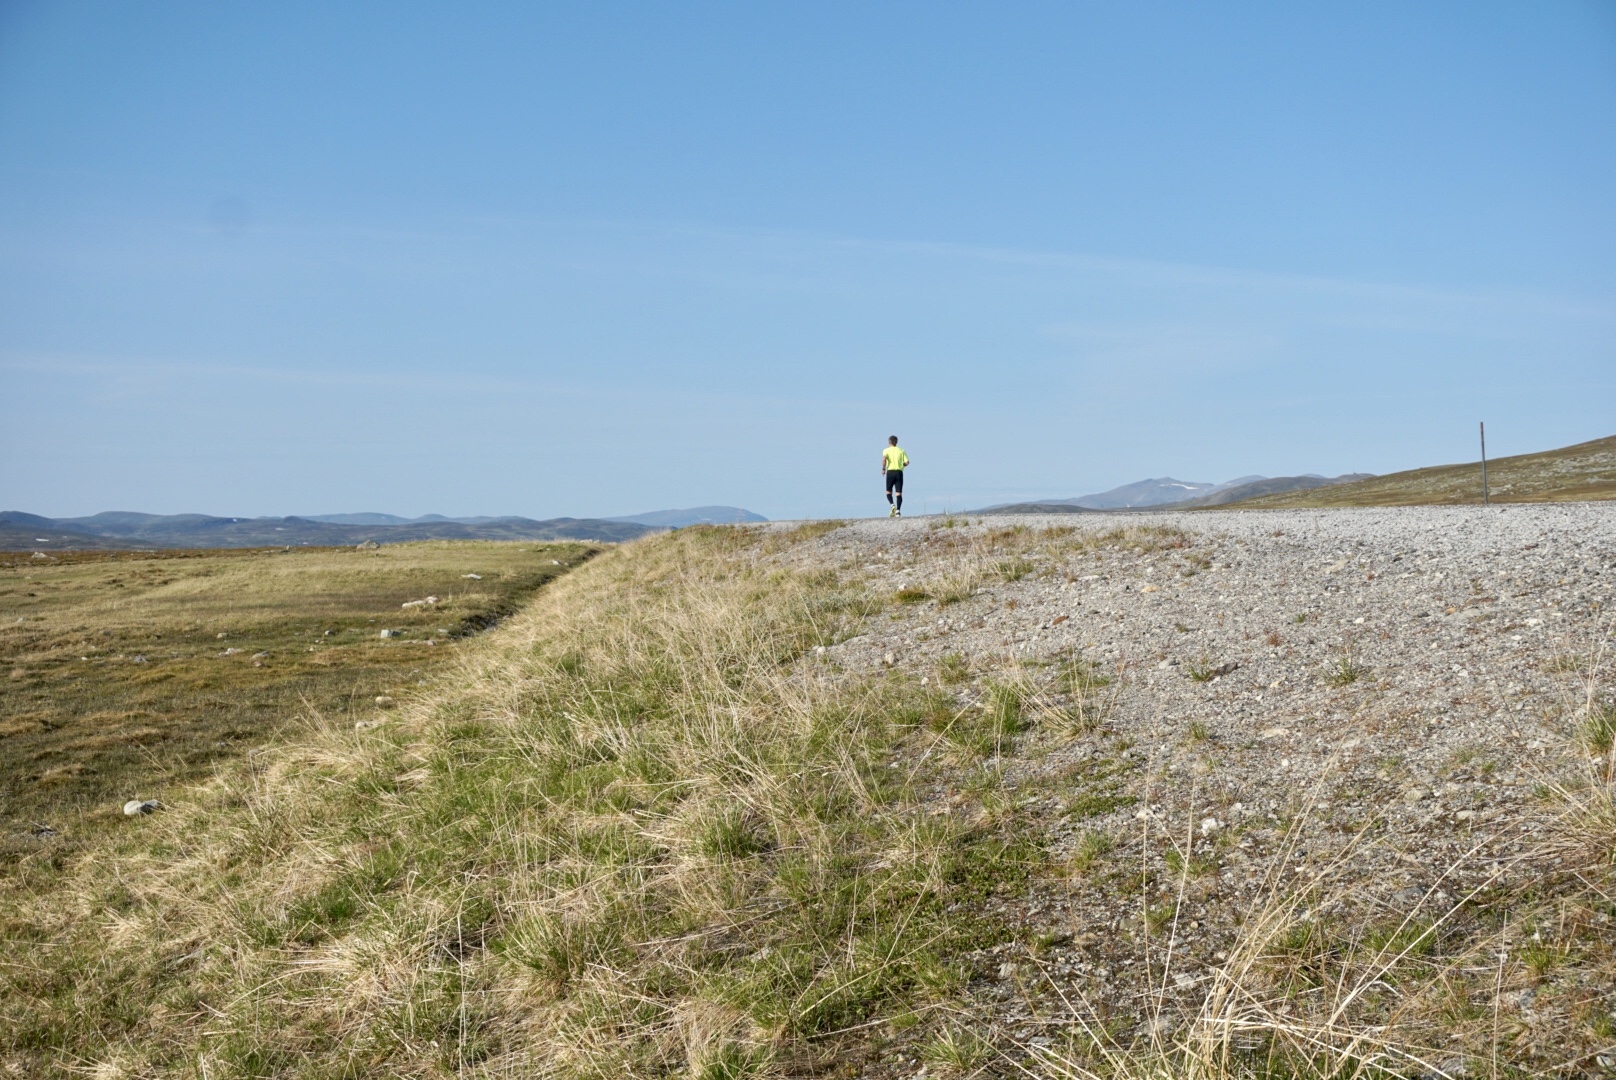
pixel 895 480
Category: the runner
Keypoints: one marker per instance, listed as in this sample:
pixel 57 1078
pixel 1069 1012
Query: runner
pixel 893 460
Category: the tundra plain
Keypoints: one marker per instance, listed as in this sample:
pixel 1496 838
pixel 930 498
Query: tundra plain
pixel 1280 793
pixel 128 674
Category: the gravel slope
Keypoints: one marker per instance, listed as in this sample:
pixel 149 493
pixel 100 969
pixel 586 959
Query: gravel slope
pixel 1289 685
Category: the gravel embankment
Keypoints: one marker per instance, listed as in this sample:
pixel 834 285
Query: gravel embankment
pixel 1284 681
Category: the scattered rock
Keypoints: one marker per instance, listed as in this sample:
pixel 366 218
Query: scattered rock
pixel 1416 794
pixel 428 602
pixel 389 634
pixel 366 545
pixel 473 577
pixel 384 701
pixel 136 807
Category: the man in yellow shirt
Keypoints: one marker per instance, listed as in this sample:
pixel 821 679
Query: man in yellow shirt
pixel 893 459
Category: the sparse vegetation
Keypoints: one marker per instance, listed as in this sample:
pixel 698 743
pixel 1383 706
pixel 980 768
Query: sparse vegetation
pixel 1014 569
pixel 1599 727
pixel 1090 850
pixel 1204 670
pixel 953 670
pixel 1347 670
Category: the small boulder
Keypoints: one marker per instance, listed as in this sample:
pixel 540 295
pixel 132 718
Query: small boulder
pixel 367 545
pixel 136 807
pixel 384 701
pixel 388 634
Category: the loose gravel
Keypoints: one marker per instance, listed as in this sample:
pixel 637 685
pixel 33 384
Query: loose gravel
pixel 1286 686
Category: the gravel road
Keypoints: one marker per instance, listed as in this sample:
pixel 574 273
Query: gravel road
pixel 1390 687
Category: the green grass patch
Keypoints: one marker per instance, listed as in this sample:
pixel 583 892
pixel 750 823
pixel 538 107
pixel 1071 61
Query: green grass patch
pixel 1347 670
pixel 1598 730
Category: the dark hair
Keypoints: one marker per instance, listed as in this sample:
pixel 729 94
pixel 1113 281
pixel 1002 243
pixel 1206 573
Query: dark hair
pixel 893 439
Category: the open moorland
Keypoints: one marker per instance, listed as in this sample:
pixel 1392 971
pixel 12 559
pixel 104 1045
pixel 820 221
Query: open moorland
pixel 1568 474
pixel 127 674
pixel 1296 793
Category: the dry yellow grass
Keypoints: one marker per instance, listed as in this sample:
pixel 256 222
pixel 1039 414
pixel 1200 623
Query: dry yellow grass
pixel 1572 473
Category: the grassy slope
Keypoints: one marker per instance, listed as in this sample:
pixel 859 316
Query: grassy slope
pixel 116 685
pixel 1584 471
pixel 624 843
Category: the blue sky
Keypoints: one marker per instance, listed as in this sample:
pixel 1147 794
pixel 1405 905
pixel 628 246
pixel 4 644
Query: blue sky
pixel 598 259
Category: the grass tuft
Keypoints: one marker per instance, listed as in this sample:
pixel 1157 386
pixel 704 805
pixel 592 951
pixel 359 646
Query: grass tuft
pixel 1347 670
pixel 1599 728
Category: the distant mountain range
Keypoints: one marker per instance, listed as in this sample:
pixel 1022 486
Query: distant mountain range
pixel 1166 492
pixel 656 519
pixel 696 515
pixel 133 531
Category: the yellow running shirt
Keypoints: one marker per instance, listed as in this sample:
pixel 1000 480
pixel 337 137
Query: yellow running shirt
pixel 894 457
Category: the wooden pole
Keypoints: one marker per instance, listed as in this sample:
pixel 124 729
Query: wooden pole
pixel 1484 463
